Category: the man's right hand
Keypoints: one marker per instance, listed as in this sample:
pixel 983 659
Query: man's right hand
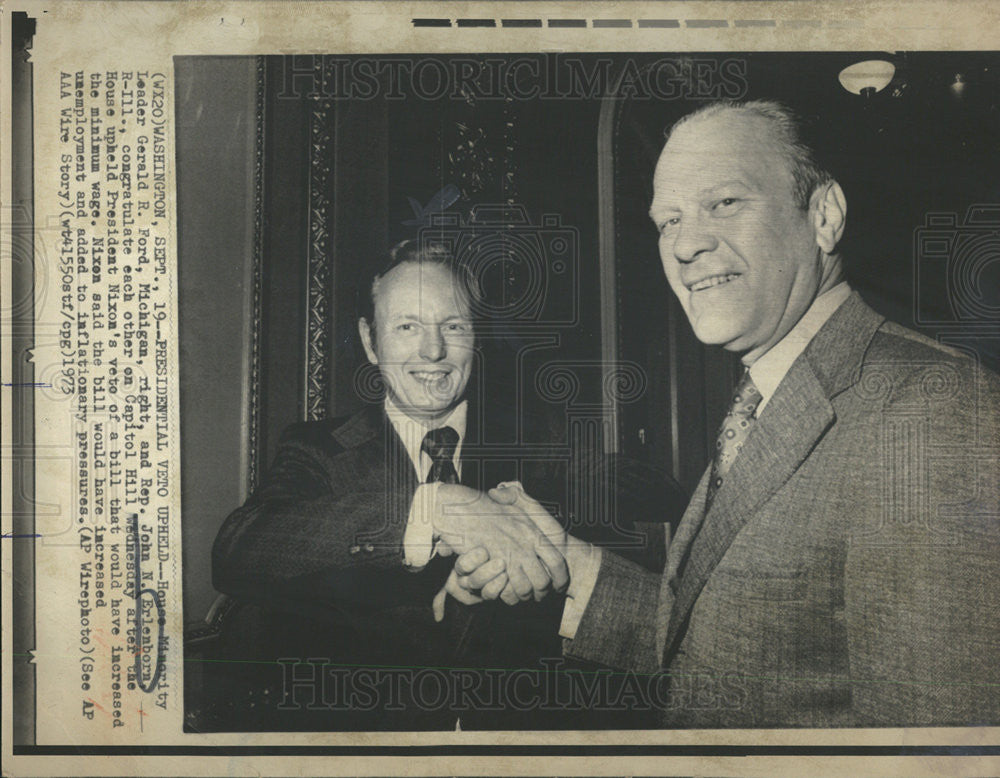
pixel 475 572
pixel 466 519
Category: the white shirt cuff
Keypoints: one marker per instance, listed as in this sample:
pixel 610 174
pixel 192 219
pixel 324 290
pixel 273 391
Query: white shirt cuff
pixel 418 539
pixel 583 578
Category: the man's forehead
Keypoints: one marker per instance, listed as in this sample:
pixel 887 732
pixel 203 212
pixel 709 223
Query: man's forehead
pixel 411 287
pixel 727 126
pixel 416 277
pixel 723 149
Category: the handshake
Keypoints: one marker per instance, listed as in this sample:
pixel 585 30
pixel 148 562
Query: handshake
pixel 508 546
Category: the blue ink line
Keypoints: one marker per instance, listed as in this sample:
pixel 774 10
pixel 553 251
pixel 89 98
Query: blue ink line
pixel 441 200
pixel 19 535
pixel 161 615
pixel 36 385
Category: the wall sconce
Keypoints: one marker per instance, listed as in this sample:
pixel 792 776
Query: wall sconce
pixel 867 78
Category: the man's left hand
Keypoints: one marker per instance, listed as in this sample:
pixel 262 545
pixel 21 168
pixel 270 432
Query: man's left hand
pixel 475 571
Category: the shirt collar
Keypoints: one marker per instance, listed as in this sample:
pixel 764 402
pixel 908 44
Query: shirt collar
pixel 769 369
pixel 412 432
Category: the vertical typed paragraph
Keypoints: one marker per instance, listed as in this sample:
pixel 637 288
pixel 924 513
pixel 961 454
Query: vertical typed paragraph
pixel 113 263
pixel 107 368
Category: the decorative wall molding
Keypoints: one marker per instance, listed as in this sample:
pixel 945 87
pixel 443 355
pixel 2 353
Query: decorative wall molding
pixel 256 389
pixel 606 240
pixel 318 275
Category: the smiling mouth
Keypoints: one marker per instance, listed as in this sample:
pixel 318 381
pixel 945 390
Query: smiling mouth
pixel 708 283
pixel 430 376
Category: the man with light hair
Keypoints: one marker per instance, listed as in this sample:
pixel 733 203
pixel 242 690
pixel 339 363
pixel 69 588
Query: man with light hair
pixel 839 562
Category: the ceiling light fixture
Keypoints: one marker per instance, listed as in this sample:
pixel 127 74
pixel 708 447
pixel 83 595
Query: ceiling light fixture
pixel 958 85
pixel 867 78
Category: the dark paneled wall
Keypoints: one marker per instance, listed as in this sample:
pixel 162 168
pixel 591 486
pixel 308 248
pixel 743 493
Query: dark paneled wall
pixel 271 183
pixel 215 166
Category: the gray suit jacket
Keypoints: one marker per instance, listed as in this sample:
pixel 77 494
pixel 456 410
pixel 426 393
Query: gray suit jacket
pixel 848 571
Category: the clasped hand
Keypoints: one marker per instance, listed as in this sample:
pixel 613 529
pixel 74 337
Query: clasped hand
pixel 509 546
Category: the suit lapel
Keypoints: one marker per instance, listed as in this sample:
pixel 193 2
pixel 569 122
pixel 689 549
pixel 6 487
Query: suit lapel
pixel 371 430
pixel 471 444
pixel 371 433
pixel 459 619
pixel 399 466
pixel 360 428
pixel 792 423
pixel 678 548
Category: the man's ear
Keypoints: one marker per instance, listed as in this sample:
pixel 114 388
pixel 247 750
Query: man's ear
pixel 829 212
pixel 365 331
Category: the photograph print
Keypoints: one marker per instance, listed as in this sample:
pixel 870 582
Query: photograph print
pixel 589 391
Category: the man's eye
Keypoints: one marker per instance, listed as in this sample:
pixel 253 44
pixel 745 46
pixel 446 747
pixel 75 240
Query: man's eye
pixel 725 202
pixel 405 327
pixel 668 224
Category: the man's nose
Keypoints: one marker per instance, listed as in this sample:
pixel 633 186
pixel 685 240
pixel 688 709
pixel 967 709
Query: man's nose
pixel 693 238
pixel 432 345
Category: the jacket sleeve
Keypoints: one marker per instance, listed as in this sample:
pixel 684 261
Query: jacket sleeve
pixel 642 508
pixel 325 526
pixel 618 627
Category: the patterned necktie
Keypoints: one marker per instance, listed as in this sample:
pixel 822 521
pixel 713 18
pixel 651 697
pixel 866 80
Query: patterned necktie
pixel 440 445
pixel 735 428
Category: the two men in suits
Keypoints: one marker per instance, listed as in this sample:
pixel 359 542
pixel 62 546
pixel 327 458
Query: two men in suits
pixel 839 562
pixel 342 549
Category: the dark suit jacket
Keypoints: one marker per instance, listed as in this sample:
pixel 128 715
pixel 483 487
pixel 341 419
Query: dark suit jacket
pixel 317 551
pixel 847 572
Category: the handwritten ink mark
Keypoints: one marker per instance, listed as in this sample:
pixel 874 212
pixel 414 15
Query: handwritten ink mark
pixel 12 535
pixel 422 213
pixel 35 384
pixel 160 612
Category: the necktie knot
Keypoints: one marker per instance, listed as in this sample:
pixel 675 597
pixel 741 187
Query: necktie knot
pixel 746 398
pixel 440 444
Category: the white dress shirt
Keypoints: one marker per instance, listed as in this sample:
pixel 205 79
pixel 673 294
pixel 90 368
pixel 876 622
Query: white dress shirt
pixel 770 368
pixel 767 373
pixel 418 539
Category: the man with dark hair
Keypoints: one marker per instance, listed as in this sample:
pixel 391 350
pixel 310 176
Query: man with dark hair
pixel 839 562
pixel 346 542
